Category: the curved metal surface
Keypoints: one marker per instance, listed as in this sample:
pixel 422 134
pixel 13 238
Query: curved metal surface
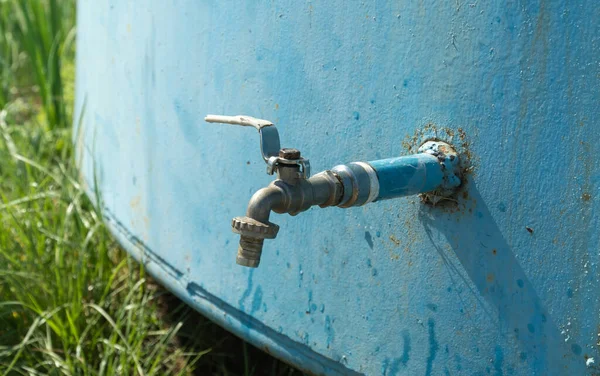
pixel 505 282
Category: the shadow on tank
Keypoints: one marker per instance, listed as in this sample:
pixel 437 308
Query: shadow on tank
pixel 499 283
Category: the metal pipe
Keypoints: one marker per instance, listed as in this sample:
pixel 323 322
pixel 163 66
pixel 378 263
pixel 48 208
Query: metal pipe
pixel 264 201
pixel 435 168
pixel 353 184
pixel 326 189
pixel 409 175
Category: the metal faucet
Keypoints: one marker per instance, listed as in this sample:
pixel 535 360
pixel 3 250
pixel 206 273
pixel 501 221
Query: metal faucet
pixel 435 169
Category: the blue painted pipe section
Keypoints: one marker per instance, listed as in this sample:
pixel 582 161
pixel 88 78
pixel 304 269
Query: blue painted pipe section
pixel 407 175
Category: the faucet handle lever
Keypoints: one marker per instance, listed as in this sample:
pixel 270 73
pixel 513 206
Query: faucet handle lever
pixel 269 137
pixel 243 120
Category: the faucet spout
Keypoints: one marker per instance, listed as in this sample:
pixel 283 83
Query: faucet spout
pixel 281 196
pixel 264 201
pixel 255 227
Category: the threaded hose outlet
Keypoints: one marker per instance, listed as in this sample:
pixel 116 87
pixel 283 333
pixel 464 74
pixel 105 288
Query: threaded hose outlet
pixel 249 251
pixel 253 233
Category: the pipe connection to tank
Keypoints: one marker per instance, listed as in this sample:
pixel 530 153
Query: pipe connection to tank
pixel 436 168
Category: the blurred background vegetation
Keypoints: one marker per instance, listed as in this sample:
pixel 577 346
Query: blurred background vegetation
pixel 71 301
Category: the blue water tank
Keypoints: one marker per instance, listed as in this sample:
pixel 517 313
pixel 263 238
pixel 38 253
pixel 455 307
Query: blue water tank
pixel 503 279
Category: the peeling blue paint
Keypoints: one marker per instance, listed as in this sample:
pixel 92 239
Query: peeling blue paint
pixel 433 347
pixel 405 348
pixel 498 361
pixel 257 300
pixel 247 292
pixel 329 330
pixel 393 367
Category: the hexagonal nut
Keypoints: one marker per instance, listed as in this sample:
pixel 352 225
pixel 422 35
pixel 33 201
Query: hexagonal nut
pixel 289 153
pixel 250 227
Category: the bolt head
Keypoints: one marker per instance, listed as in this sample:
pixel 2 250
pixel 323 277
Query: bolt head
pixel 289 153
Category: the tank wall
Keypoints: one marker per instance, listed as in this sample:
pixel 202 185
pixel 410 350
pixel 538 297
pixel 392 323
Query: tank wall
pixel 505 283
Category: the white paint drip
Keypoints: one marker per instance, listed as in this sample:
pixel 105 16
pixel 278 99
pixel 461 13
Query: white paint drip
pixel 589 362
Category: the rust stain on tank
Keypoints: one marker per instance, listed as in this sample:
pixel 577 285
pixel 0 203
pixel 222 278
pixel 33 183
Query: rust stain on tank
pixel 397 243
pixel 458 138
pixel 135 202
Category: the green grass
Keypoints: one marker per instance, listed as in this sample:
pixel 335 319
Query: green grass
pixel 35 38
pixel 71 301
pixel 69 304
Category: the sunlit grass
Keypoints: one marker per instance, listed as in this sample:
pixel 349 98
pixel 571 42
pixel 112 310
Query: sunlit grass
pixel 69 299
pixel 36 37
